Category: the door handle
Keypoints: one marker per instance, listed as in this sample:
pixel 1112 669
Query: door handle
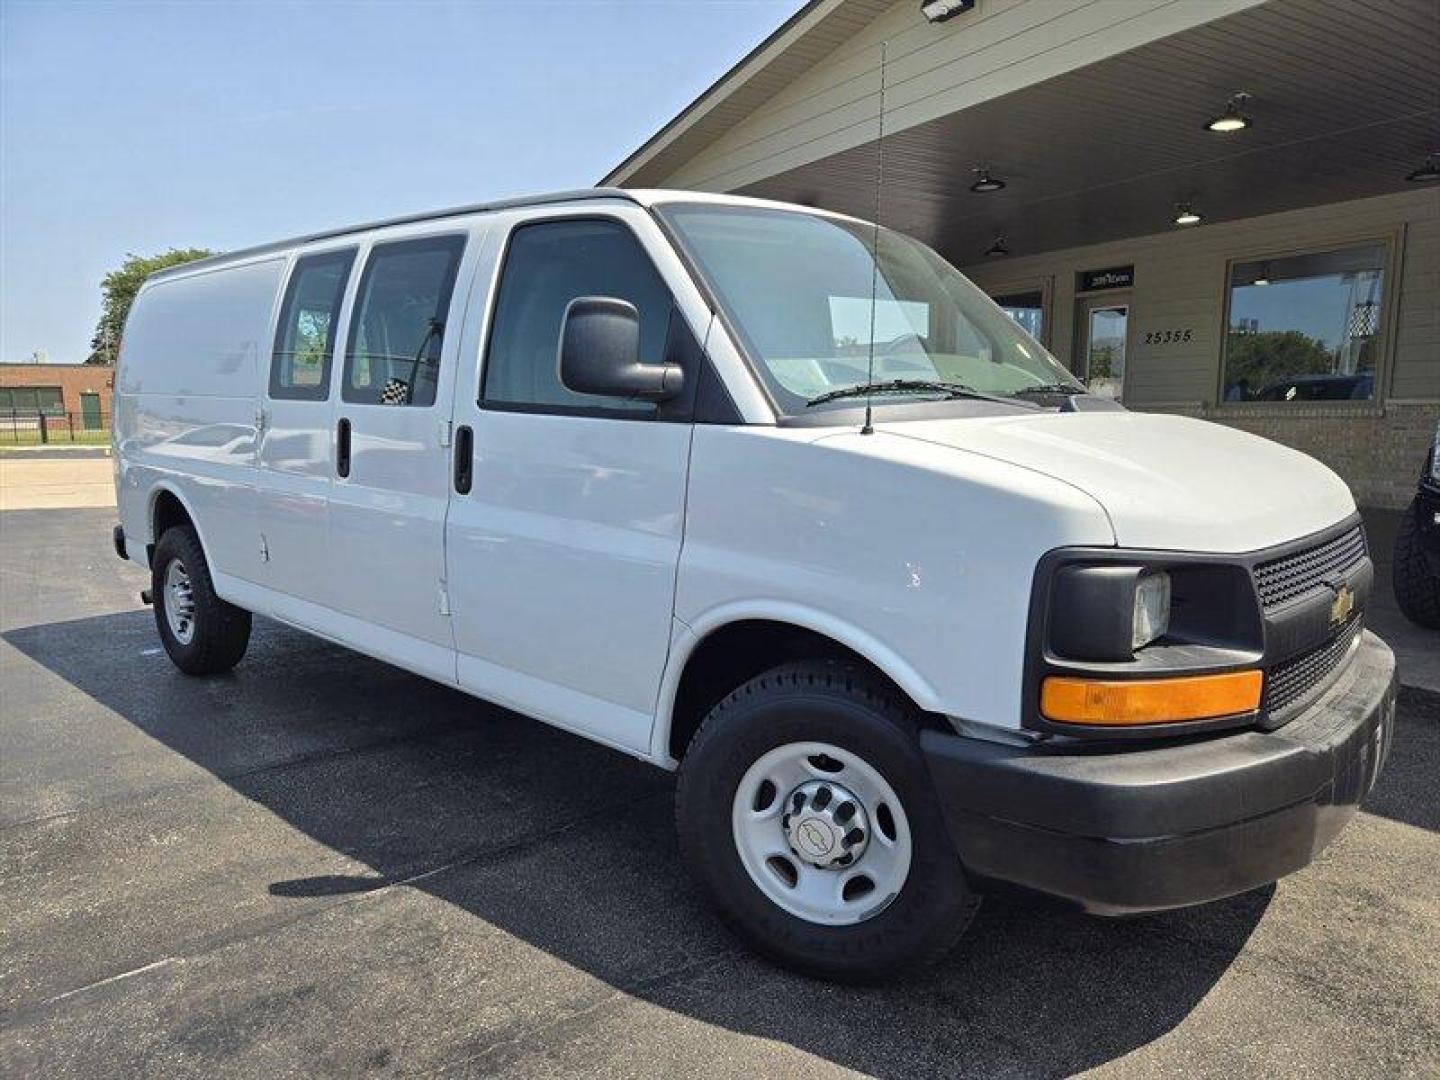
pixel 464 458
pixel 342 447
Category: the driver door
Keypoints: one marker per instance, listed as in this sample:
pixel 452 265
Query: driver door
pixel 563 545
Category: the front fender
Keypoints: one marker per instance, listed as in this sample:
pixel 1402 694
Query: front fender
pixel 686 638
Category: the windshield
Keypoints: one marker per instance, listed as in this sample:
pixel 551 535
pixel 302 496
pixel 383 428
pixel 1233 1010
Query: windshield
pixel 797 289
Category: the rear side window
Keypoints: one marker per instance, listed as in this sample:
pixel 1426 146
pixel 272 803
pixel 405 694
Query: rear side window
pixel 548 265
pixel 305 340
pixel 392 356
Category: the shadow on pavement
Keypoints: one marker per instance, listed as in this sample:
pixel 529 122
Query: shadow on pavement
pixel 570 848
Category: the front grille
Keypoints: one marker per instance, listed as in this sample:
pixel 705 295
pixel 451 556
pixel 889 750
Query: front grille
pixel 1281 580
pixel 1292 681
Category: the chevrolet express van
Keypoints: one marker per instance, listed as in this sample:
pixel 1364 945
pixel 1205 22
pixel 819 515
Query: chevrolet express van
pixel 778 499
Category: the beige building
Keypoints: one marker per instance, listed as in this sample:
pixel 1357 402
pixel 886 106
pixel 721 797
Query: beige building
pixel 1059 151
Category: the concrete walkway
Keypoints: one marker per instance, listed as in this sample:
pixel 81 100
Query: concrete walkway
pixel 66 482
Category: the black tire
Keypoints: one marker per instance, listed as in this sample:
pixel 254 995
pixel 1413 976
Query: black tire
pixel 221 631
pixel 854 711
pixel 1417 588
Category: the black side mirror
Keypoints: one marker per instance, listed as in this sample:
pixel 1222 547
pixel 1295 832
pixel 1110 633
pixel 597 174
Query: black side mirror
pixel 600 353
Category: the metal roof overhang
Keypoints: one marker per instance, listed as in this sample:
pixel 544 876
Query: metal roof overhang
pixel 1345 99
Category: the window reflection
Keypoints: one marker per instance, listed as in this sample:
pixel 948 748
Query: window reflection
pixel 1027 309
pixel 1305 327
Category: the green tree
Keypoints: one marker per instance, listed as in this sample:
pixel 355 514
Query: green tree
pixel 1255 360
pixel 118 291
pixel 1102 362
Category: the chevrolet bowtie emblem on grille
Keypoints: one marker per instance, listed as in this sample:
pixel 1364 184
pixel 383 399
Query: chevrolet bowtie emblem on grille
pixel 1342 605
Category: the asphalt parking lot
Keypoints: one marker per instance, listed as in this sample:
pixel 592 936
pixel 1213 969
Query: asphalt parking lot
pixel 321 864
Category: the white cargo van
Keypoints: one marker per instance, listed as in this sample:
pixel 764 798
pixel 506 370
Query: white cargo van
pixel 710 481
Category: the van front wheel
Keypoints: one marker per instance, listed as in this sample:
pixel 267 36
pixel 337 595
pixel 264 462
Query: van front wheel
pixel 202 634
pixel 805 807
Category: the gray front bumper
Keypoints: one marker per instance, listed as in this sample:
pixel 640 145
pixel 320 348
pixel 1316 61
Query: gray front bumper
pixel 1131 828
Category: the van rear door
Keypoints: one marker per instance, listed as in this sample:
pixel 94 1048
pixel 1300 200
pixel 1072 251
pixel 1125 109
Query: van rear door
pixel 565 529
pixel 390 429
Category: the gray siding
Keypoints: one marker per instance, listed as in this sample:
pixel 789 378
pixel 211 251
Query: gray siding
pixel 1000 47
pixel 1180 283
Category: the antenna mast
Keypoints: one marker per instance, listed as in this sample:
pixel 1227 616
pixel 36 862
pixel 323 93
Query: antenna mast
pixel 869 428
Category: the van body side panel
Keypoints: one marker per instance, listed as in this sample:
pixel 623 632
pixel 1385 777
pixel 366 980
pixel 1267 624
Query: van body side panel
pixel 187 405
pixel 918 558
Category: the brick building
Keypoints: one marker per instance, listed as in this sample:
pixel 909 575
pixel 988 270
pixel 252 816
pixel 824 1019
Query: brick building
pixel 81 391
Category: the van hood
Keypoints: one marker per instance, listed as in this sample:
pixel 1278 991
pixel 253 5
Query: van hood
pixel 1167 482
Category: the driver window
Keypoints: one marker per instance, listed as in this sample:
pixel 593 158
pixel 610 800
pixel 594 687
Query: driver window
pixel 548 264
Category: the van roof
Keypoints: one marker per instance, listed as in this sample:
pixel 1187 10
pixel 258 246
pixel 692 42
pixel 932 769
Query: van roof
pixel 640 197
pixel 403 219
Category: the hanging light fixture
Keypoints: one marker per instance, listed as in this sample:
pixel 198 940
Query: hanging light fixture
pixel 998 248
pixel 937 11
pixel 1427 173
pixel 1234 118
pixel 985 183
pixel 1187 215
pixel 1263 277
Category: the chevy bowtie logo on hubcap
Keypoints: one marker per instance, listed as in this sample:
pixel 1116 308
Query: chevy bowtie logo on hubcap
pixel 815 837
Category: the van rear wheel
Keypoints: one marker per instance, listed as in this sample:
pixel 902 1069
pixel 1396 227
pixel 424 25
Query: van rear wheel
pixel 805 807
pixel 202 634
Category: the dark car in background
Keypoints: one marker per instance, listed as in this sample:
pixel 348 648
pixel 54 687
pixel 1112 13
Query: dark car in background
pixel 1357 387
pixel 1417 548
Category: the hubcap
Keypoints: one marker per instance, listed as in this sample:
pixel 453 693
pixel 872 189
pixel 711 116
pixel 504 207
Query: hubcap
pixel 179 602
pixel 821 833
pixel 826 824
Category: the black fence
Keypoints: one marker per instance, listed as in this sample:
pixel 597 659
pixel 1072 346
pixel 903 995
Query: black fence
pixel 86 427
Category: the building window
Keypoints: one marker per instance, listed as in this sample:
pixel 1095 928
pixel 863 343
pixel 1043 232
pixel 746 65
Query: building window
pixel 31 400
pixel 305 342
pixel 1306 327
pixel 1027 309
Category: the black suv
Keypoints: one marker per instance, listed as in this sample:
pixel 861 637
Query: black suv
pixel 1417 548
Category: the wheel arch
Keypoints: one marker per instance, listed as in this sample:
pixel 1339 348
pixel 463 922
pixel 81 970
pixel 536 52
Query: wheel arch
pixel 165 507
pixel 713 655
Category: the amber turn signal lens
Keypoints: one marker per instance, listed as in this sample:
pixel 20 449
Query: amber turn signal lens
pixel 1149 701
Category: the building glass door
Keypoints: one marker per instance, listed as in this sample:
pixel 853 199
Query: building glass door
pixel 1104 325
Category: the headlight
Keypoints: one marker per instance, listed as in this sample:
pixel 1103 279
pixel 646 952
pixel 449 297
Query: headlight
pixel 1106 612
pixel 1151 618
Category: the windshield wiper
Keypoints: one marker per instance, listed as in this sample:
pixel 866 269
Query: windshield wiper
pixel 902 386
pixel 1049 388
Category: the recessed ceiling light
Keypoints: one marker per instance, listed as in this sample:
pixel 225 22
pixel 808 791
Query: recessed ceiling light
pixel 1185 215
pixel 937 11
pixel 1234 118
pixel 997 248
pixel 984 182
pixel 1427 173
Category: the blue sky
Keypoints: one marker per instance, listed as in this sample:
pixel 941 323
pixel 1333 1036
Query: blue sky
pixel 136 127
